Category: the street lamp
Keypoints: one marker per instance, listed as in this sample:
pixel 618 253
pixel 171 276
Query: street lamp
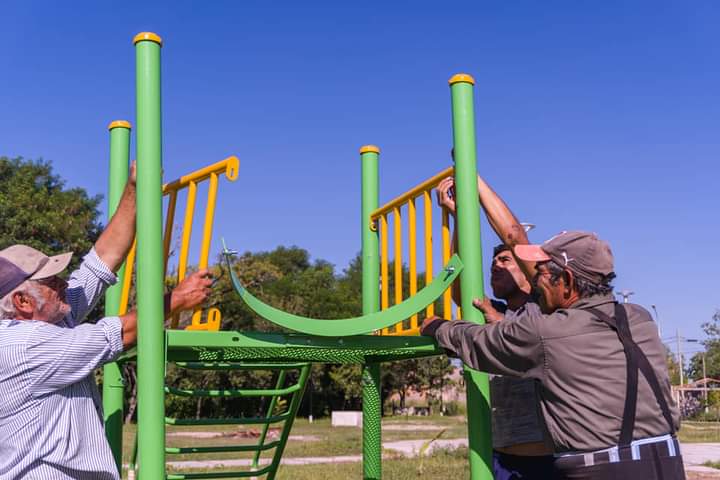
pixel 626 294
pixel 657 320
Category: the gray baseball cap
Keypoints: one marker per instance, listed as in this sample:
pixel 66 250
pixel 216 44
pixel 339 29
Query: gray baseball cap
pixel 583 253
pixel 20 262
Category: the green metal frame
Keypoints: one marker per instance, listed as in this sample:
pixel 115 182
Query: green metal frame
pixel 371 386
pixel 150 275
pixel 335 341
pixel 295 392
pixel 471 280
pixel 349 326
pixel 113 384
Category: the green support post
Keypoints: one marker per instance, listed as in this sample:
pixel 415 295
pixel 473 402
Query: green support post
pixel 113 384
pixel 471 278
pixel 150 282
pixel 372 402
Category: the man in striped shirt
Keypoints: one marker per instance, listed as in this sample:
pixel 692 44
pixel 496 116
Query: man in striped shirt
pixel 50 416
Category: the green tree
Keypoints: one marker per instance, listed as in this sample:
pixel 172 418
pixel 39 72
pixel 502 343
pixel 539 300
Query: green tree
pixel 37 209
pixel 287 279
pixel 422 375
pixel 712 351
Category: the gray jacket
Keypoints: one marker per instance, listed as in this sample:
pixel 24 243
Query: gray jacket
pixel 580 364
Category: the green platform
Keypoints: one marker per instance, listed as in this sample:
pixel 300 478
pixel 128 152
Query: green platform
pixel 279 348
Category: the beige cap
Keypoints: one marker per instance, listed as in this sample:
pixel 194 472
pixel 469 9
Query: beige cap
pixel 34 263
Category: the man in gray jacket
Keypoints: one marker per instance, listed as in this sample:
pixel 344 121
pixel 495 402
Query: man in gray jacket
pixel 604 387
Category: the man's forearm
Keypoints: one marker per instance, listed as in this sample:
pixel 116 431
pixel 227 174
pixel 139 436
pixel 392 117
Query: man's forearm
pixel 129 323
pixel 117 238
pixel 504 222
pixel 455 289
pixel 501 218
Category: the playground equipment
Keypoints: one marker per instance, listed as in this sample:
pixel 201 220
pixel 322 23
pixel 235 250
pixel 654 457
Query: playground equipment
pixel 202 346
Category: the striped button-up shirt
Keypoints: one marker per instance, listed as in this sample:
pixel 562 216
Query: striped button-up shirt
pixel 51 423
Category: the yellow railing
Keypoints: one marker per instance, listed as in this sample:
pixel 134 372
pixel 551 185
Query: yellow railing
pixel 379 219
pixel 211 174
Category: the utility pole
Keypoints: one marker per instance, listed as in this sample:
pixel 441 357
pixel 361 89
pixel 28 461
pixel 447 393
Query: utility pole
pixel 705 384
pixel 679 355
pixel 681 396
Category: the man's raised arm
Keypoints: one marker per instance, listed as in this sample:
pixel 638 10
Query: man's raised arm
pixel 504 222
pixel 115 241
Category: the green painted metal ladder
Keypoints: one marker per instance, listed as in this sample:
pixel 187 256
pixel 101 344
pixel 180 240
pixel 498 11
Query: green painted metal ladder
pixel 285 387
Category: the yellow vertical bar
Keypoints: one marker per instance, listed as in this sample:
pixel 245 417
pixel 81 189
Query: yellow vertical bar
pixel 384 294
pixel 186 235
pixel 169 219
pixel 397 235
pixel 447 296
pixel 127 279
pixel 187 230
pixel 209 218
pixel 412 240
pixel 430 310
pixel 207 234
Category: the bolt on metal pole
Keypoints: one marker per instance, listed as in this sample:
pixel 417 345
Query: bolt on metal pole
pixel 113 384
pixel 372 401
pixel 471 278
pixel 150 281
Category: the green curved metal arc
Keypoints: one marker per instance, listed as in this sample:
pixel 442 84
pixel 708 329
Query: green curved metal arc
pixel 351 326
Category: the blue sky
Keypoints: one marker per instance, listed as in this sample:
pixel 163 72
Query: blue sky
pixel 590 115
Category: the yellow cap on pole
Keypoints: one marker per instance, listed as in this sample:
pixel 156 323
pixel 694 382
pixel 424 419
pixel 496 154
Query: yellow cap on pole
pixel 369 148
pixel 120 123
pixel 462 77
pixel 153 37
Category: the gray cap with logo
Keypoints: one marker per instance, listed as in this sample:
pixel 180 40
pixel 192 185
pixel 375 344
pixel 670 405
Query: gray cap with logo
pixel 583 253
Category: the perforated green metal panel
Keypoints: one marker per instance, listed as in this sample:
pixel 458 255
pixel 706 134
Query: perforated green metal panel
pixel 183 345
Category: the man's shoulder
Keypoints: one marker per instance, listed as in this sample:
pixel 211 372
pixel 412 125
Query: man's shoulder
pixel 529 309
pixel 20 328
pixel 17 332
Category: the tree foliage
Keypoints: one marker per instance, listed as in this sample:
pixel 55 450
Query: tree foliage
pixel 288 279
pixel 37 209
pixel 712 351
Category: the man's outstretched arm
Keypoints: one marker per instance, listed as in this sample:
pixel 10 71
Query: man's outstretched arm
pixel 115 241
pixel 191 292
pixel 504 222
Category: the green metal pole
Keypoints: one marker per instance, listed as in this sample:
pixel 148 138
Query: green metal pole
pixel 150 347
pixel 372 402
pixel 471 278
pixel 112 376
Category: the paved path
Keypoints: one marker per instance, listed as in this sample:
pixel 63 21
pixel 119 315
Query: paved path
pixel 694 455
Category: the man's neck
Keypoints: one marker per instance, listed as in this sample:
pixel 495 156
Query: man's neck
pixel 517 300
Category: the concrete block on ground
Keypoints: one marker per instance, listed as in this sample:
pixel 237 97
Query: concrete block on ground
pixel 350 418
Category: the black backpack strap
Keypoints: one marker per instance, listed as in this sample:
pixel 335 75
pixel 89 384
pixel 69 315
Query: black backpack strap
pixel 637 360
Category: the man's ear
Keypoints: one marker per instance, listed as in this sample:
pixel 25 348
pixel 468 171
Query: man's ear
pixel 24 304
pixel 569 279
